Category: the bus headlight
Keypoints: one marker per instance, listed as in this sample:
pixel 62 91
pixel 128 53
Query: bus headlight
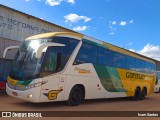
pixel 29 96
pixel 35 85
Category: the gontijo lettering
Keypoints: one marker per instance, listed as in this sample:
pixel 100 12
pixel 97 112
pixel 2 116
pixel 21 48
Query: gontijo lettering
pixel 134 75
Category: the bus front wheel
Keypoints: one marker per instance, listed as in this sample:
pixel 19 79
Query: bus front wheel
pixel 76 96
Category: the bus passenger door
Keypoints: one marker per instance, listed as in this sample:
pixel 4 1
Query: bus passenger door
pixel 50 89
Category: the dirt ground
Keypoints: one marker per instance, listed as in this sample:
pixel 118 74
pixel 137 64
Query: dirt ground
pixel 119 105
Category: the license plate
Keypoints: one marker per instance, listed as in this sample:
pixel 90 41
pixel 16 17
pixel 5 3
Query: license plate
pixel 15 93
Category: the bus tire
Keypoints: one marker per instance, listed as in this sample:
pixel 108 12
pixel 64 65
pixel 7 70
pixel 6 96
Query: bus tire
pixel 76 96
pixel 143 94
pixel 136 94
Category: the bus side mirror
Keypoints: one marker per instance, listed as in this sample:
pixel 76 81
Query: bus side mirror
pixel 9 48
pixel 44 46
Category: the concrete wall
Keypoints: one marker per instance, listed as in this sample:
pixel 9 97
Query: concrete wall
pixel 4 42
pixel 15 26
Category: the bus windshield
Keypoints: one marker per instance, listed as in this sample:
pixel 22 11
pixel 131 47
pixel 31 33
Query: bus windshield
pixel 25 64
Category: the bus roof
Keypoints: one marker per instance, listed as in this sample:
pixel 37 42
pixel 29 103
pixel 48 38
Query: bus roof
pixel 52 34
pixel 81 36
pixel 121 50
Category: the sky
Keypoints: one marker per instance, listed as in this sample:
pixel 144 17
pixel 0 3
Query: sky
pixel 130 24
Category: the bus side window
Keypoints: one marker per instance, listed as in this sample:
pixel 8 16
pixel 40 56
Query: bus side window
pixel 51 62
pixel 130 63
pixel 86 54
pixel 102 56
pixel 140 65
pixel 119 60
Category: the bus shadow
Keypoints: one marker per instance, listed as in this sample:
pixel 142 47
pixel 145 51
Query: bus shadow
pixel 3 93
pixel 107 100
pixel 41 106
pixel 59 106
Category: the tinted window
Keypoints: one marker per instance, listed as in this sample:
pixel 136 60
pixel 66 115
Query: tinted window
pixel 51 62
pixel 130 63
pixel 157 67
pixel 118 60
pixel 140 65
pixel 105 57
pixel 149 67
pixel 109 57
pixel 56 57
pixel 153 67
pixel 73 43
pixel 86 54
pixel 102 56
pixel 65 51
pixel 69 42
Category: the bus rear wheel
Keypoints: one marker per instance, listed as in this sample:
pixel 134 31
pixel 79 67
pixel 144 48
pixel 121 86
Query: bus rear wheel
pixel 137 94
pixel 143 94
pixel 76 96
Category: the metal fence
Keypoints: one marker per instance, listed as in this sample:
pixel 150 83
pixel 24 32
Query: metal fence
pixel 5 66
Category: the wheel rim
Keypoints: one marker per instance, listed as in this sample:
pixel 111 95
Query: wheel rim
pixel 76 97
pixel 137 93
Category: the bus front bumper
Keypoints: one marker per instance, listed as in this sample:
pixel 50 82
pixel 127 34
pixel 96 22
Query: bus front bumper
pixel 32 95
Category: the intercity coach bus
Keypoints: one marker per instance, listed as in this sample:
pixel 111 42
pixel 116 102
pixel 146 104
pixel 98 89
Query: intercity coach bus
pixel 65 66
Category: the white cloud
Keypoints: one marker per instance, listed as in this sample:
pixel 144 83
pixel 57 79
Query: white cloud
pixel 123 23
pixel 57 2
pixel 110 27
pixel 112 33
pixel 27 0
pixel 113 25
pixel 129 43
pixel 38 0
pixel 151 51
pixel 101 18
pixel 73 18
pixel 114 22
pixel 131 21
pixel 113 29
pixel 80 28
pixel 53 2
pixel 108 0
pixel 71 1
pixel 132 50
